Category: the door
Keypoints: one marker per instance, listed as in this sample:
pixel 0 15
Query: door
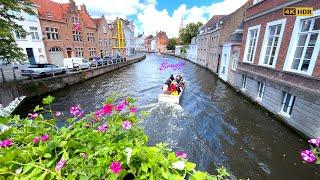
pixel 69 53
pixel 56 56
pixel 30 55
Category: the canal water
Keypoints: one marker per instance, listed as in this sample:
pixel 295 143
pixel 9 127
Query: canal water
pixel 214 124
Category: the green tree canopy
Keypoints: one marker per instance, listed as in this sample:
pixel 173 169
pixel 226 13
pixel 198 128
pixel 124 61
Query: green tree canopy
pixel 190 31
pixel 172 43
pixel 10 13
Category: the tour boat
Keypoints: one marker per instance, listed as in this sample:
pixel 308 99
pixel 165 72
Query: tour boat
pixel 171 98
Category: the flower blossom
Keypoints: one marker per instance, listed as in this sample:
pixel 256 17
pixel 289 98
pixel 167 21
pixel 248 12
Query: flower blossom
pixel 87 125
pixel 120 107
pixel 58 113
pixel 98 113
pixel 45 137
pixel 181 154
pixel 36 140
pixel 126 124
pixel 116 167
pixel 33 115
pixel 84 155
pixel 308 156
pixel 6 143
pixel 75 110
pixel 103 128
pixel 81 114
pixel 315 142
pixel 60 164
pixel 133 109
pixel 180 165
pixel 107 109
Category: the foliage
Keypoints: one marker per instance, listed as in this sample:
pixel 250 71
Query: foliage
pixel 190 31
pixel 105 144
pixel 313 154
pixel 9 13
pixel 172 43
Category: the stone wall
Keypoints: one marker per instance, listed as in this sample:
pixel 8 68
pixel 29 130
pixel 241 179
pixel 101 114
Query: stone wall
pixel 30 88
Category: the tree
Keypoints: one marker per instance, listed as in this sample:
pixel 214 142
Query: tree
pixel 172 43
pixel 190 31
pixel 9 15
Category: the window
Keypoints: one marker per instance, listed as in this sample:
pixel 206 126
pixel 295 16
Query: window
pixel 261 87
pixel 244 82
pixel 251 43
pixel 92 52
pixel 272 42
pixel 100 42
pixel 55 49
pixel 76 35
pixel 34 33
pixel 304 46
pixel 287 104
pixel 52 33
pixel 235 58
pixel 78 52
pixel 19 36
pixel 90 37
pixel 75 20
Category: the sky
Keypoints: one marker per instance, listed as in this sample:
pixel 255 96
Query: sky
pixel 150 16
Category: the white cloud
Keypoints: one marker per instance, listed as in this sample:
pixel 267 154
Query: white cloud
pixel 149 19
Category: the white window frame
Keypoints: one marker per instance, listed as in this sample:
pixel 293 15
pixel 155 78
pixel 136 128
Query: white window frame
pixel 247 44
pixel 235 60
pixel 34 33
pixel 52 32
pixel 290 105
pixel 281 22
pixel 244 82
pixel 76 36
pixel 256 1
pixel 294 42
pixel 261 88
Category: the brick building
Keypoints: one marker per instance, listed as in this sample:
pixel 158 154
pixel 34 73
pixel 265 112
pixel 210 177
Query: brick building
pixel 104 37
pixel 68 31
pixel 147 43
pixel 208 52
pixel 279 64
pixel 161 42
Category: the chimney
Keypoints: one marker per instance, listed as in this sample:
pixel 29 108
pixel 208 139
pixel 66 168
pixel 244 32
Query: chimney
pixel 83 8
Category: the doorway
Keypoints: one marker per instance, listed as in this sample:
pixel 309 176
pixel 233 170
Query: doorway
pixel 69 52
pixel 30 55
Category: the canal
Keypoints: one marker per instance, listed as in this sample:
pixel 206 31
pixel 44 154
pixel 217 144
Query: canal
pixel 214 124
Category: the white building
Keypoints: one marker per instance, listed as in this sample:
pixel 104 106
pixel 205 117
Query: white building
pixel 153 45
pixel 129 37
pixel 192 51
pixel 32 44
pixel 139 42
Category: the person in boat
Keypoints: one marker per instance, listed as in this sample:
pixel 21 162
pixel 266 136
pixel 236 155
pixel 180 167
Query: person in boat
pixel 173 88
pixel 171 77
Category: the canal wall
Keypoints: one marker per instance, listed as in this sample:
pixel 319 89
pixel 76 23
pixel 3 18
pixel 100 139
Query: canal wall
pixel 37 87
pixel 305 116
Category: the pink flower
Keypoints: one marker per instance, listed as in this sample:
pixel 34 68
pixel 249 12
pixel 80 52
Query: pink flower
pixel 81 114
pixel 45 137
pixel 120 107
pixel 58 113
pixel 308 156
pixel 84 155
pixel 315 141
pixel 116 167
pixel 125 102
pixel 98 113
pixel 33 115
pixel 36 140
pixel 61 164
pixel 126 124
pixel 75 110
pixel 6 143
pixel 107 109
pixel 181 154
pixel 133 109
pixel 103 128
pixel 87 125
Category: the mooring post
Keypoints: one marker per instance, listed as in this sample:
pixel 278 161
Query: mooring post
pixel 2 74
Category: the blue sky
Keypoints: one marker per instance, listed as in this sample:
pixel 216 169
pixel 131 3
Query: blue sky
pixel 150 16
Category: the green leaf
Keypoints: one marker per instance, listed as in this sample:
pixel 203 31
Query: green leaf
pixel 190 166
pixel 144 167
pixel 38 108
pixel 47 155
pixel 175 177
pixel 47 100
pixel 27 168
pixel 198 176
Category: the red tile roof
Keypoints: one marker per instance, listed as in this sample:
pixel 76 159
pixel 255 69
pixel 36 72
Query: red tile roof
pixel 87 19
pixel 212 21
pixel 46 8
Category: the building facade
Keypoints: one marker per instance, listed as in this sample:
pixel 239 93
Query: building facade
pixel 147 43
pixel 192 50
pixel 279 64
pixel 161 42
pixel 139 42
pixel 32 44
pixel 104 37
pixel 129 37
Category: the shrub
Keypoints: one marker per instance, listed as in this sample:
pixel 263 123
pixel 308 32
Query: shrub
pixel 105 144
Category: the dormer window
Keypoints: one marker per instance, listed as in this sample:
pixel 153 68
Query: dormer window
pixel 256 1
pixel 49 15
pixel 75 20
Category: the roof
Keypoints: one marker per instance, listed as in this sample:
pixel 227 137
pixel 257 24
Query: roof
pixel 88 22
pixel 50 9
pixel 214 19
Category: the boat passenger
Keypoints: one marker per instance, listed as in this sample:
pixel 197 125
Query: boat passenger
pixel 173 87
pixel 171 77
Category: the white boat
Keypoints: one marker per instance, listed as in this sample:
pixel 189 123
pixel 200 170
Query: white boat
pixel 171 98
